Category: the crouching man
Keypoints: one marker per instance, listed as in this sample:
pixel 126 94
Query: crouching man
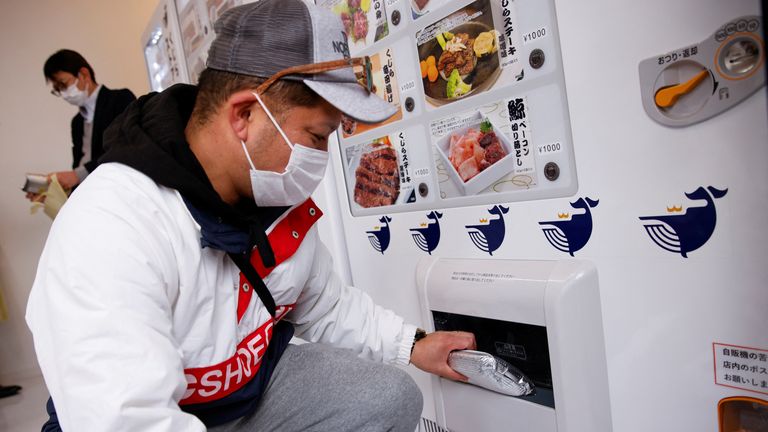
pixel 176 274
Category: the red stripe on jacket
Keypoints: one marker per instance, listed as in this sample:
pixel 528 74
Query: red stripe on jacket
pixel 285 239
pixel 206 384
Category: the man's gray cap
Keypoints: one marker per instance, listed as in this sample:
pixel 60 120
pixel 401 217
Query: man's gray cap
pixel 261 38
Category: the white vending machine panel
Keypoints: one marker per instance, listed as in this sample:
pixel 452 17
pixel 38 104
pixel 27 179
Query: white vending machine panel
pixel 482 112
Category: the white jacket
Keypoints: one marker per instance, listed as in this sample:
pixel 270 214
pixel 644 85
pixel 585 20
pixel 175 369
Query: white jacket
pixel 130 316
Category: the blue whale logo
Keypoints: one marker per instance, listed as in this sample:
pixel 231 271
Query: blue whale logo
pixel 427 236
pixel 380 236
pixel 571 235
pixel 489 236
pixel 684 233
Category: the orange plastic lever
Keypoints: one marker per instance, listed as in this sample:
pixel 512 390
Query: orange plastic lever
pixel 668 96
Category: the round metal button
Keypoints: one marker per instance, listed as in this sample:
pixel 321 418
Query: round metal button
pixel 423 189
pixel 551 171
pixel 396 17
pixel 536 58
pixel 246 287
pixel 409 104
pixel 295 234
pixel 312 211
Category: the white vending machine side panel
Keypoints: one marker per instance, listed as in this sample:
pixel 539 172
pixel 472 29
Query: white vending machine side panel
pixel 563 297
pixel 575 333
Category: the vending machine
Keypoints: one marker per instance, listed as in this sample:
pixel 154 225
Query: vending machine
pixel 196 19
pixel 580 184
pixel 163 54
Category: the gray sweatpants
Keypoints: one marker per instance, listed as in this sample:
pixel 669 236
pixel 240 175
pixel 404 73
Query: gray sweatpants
pixel 318 388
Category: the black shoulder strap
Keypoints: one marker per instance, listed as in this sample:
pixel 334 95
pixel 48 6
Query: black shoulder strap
pixel 256 282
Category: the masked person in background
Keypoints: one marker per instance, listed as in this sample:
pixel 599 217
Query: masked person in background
pixel 173 281
pixel 73 79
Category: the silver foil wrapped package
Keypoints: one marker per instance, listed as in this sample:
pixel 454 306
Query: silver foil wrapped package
pixel 490 372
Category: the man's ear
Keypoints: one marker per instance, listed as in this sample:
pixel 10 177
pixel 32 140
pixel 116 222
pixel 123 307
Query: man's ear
pixel 241 108
pixel 85 73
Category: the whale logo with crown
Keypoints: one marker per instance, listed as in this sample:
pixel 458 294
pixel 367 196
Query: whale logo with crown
pixel 570 235
pixel 686 232
pixel 427 235
pixel 380 235
pixel 489 234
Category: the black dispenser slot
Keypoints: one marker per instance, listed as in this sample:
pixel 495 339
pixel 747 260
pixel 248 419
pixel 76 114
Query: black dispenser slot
pixel 523 345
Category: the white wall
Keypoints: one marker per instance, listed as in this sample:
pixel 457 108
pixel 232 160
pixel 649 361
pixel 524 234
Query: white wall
pixel 34 128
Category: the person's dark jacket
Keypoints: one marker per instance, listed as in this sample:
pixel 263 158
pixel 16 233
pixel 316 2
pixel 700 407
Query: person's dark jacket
pixel 109 104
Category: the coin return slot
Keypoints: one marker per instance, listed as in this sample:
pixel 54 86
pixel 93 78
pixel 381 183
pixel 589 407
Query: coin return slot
pixel 740 57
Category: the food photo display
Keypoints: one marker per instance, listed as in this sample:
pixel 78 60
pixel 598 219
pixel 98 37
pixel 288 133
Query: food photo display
pixel 419 8
pixel 378 173
pixel 467 52
pixel 365 21
pixel 384 85
pixel 487 150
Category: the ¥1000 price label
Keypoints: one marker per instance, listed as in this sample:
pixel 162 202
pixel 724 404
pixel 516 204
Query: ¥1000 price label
pixel 410 85
pixel 421 172
pixel 539 33
pixel 545 149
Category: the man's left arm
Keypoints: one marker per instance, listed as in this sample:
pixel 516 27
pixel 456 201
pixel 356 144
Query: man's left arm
pixel 120 100
pixel 72 178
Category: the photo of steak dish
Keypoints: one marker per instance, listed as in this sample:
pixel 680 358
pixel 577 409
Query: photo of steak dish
pixel 459 60
pixel 355 20
pixel 376 178
pixel 420 4
pixel 348 125
pixel 462 57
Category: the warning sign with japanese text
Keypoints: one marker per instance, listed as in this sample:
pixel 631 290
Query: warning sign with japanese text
pixel 741 367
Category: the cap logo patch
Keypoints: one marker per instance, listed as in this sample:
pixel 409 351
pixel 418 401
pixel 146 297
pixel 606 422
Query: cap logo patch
pixel 341 47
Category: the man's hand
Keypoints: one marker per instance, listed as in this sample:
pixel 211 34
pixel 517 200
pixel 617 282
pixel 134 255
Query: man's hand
pixel 67 179
pixel 431 353
pixel 33 197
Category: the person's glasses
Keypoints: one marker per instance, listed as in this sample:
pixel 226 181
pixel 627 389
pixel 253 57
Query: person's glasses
pixel 366 81
pixel 59 86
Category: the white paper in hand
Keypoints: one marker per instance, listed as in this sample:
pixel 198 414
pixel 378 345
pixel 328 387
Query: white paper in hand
pixel 54 196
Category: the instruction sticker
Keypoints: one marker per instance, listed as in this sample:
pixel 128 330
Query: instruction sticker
pixel 741 367
pixel 481 277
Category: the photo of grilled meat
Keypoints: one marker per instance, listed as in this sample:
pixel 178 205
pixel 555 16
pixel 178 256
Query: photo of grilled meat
pixel 459 54
pixel 463 59
pixel 420 4
pixel 377 181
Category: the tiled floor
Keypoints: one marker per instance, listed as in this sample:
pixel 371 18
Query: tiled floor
pixel 24 412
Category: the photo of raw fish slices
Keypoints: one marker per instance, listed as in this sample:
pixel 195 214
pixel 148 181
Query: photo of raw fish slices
pixel 474 151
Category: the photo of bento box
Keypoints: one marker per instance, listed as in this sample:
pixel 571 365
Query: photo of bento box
pixel 476 155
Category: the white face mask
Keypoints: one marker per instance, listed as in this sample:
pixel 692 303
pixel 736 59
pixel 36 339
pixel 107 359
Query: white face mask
pixel 305 170
pixel 74 95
